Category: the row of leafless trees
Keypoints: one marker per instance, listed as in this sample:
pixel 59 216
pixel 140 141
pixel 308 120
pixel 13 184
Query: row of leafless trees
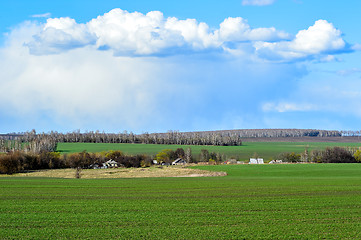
pixel 351 133
pixel 38 145
pixel 220 138
pixel 171 137
pixel 277 133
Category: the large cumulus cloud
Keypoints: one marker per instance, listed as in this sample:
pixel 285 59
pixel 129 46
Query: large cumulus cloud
pixel 321 39
pixel 151 34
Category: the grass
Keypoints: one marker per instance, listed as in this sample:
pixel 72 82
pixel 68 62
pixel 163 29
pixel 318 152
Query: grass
pixel 293 201
pixel 267 150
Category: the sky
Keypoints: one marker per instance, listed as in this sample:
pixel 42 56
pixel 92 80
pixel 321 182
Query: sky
pixel 154 66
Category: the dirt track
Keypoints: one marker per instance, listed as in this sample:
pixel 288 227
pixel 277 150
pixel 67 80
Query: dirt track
pixel 172 171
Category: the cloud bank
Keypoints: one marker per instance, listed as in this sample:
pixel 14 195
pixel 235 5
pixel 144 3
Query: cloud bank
pixel 137 34
pixel 129 34
pixel 144 72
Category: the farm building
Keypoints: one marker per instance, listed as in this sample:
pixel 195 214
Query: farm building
pixel 179 161
pixel 256 161
pixel 231 161
pixel 95 166
pixel 155 162
pixel 275 162
pixel 110 164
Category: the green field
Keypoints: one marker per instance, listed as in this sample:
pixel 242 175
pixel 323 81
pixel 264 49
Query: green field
pixel 293 201
pixel 267 150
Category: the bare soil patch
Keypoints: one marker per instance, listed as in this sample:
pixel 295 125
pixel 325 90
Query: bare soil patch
pixel 171 171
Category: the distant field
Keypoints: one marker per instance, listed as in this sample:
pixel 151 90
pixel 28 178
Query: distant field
pixel 291 201
pixel 266 150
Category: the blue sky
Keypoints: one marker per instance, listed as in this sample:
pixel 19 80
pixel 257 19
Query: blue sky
pixel 148 66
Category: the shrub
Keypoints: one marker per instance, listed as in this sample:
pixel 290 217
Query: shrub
pixel 115 155
pixel 179 153
pixel 337 155
pixel 204 156
pixel 10 163
pixel 166 156
pixel 316 156
pixel 79 160
pixel 50 160
pixel 357 156
pixel 146 161
pixel 290 157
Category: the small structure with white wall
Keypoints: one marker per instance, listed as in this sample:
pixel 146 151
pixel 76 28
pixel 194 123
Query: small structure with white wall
pixel 179 161
pixel 275 162
pixel 256 161
pixel 110 164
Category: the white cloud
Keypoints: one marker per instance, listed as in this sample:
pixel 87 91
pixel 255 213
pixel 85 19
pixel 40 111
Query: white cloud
pixel 134 33
pixel 195 34
pixel 356 47
pixel 328 58
pixel 346 72
pixel 237 29
pixel 43 15
pixel 60 34
pixel 320 39
pixel 258 2
pixel 288 107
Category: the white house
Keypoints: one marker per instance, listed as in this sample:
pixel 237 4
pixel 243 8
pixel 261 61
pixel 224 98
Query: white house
pixel 179 161
pixel 110 164
pixel 275 162
pixel 256 161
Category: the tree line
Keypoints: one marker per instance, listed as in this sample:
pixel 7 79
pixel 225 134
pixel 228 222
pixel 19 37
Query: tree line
pixel 329 155
pixel 14 162
pixel 20 161
pixel 36 142
pixel 33 146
